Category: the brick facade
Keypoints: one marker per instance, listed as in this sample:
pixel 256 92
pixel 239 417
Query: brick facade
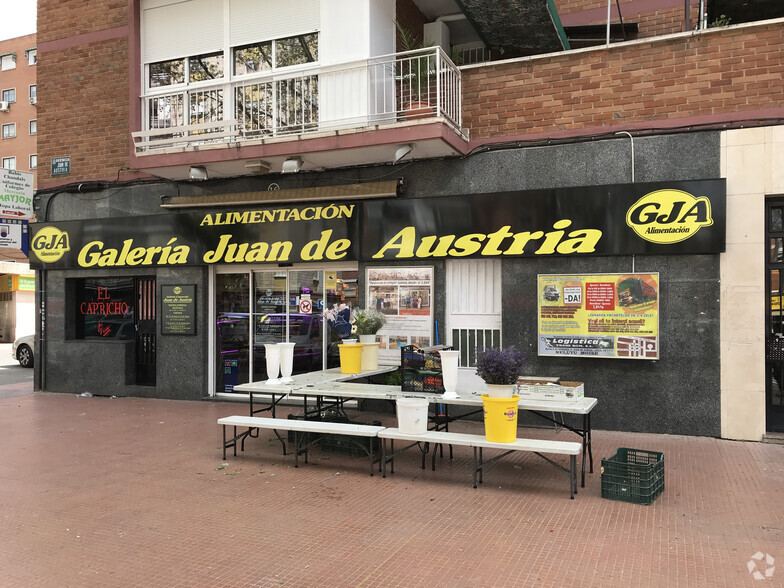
pixel 653 17
pixel 705 75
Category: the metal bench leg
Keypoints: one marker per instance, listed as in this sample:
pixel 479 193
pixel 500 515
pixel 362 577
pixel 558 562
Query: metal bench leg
pixel 235 442
pixel 224 442
pixel 573 475
pixel 475 467
pixel 383 464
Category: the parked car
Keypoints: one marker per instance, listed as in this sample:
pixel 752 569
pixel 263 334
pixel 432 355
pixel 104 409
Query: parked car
pixel 22 350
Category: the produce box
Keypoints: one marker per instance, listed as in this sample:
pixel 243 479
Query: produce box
pixel 532 388
pixel 633 475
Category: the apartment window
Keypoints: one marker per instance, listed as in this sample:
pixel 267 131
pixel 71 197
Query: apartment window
pixel 32 56
pixel 167 73
pixel 33 127
pixel 8 61
pixel 33 94
pixel 9 95
pixel 205 67
pixel 34 161
pixel 9 162
pixel 268 55
pixel 9 131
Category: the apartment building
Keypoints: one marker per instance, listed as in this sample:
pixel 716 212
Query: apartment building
pixel 18 151
pixel 223 174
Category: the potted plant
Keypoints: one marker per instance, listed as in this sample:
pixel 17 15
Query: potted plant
pixel 415 71
pixel 368 322
pixel 499 367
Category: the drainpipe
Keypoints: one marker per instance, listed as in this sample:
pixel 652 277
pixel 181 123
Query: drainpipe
pixel 631 139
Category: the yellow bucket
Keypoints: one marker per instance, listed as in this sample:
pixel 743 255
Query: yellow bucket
pixel 350 358
pixel 500 418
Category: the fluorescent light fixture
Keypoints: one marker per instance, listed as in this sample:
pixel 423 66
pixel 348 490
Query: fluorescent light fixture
pixel 291 165
pixel 198 172
pixel 401 152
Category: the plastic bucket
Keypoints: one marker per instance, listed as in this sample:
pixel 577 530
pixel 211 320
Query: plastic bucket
pixel 500 418
pixel 350 358
pixel 412 415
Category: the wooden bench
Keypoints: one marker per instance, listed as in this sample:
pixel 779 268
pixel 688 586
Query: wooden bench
pixel 301 442
pixel 479 442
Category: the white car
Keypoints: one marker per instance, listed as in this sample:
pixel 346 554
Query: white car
pixel 22 350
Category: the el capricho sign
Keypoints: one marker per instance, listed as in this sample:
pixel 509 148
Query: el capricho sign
pixel 662 218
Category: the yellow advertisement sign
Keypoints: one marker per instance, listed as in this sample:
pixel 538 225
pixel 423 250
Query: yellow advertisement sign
pixel 599 315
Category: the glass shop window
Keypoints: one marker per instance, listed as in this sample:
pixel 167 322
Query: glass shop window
pixel 104 308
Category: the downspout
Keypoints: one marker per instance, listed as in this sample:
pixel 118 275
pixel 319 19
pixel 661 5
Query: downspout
pixel 631 139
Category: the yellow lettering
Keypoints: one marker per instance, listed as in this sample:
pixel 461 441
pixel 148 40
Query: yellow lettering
pixel 207 220
pixel 338 249
pixel 425 248
pixel 467 245
pixel 404 242
pixel 580 242
pixel 216 255
pixel 280 251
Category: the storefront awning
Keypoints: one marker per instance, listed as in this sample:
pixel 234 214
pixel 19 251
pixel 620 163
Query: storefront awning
pixel 388 188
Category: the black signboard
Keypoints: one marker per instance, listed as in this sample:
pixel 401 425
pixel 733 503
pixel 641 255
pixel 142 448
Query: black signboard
pixel 178 310
pixel 662 218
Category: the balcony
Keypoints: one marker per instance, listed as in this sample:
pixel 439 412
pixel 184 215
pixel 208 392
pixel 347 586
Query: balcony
pixel 397 91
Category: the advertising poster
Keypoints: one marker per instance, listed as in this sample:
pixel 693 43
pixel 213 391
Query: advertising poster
pixel 404 295
pixel 599 315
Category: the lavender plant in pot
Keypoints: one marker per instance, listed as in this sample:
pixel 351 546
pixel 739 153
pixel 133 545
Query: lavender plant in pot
pixel 499 368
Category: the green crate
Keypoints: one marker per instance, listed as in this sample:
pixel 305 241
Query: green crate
pixel 343 443
pixel 633 475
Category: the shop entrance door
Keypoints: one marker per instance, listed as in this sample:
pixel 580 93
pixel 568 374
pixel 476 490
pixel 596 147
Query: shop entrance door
pixel 774 347
pixel 145 331
pixel 263 307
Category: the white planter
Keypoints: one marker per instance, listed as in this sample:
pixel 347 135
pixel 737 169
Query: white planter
pixel 449 362
pixel 369 352
pixel 349 341
pixel 286 361
pixel 272 352
pixel 412 415
pixel 500 390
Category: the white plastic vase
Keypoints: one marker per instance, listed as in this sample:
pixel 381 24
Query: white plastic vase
pixel 369 352
pixel 449 361
pixel 272 351
pixel 286 362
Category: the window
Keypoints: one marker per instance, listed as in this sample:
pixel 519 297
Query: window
pixel 104 308
pixel 8 61
pixel 9 162
pixel 258 57
pixel 33 127
pixel 34 161
pixel 33 94
pixel 9 95
pixel 32 56
pixel 206 67
pixel 9 131
pixel 167 73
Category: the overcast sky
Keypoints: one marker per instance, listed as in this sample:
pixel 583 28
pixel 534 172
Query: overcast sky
pixel 17 18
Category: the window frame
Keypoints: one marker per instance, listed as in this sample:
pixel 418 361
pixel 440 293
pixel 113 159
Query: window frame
pixel 32 56
pixel 11 127
pixel 32 93
pixel 32 123
pixel 11 159
pixel 11 57
pixel 30 161
pixel 3 94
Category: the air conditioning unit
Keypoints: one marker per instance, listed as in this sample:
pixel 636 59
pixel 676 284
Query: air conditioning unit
pixel 33 100
pixel 3 106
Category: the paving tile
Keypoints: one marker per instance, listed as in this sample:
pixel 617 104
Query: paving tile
pixel 133 492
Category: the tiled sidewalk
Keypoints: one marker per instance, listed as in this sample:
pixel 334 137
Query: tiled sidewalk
pixel 132 492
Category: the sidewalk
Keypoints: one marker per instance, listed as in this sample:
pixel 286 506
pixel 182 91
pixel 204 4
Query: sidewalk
pixel 132 492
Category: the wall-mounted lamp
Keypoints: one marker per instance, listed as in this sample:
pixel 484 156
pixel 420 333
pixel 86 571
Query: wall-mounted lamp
pixel 198 172
pixel 291 165
pixel 257 167
pixel 401 152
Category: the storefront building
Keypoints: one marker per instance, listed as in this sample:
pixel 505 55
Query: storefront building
pixel 641 260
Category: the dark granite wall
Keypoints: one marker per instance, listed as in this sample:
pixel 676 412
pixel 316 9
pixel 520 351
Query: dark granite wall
pixel 679 393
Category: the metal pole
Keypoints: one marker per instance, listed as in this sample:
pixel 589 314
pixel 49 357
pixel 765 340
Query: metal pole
pixel 609 6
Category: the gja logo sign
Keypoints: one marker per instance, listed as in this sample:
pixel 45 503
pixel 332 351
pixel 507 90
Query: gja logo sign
pixel 50 244
pixel 669 216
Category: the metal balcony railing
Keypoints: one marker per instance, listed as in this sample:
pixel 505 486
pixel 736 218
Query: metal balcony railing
pixel 383 90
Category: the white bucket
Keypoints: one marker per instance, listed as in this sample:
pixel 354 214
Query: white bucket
pixel 412 415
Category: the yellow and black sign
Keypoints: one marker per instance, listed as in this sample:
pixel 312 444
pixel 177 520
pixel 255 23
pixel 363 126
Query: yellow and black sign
pixel 620 219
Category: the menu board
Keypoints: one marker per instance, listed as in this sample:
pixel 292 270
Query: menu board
pixel 178 310
pixel 599 315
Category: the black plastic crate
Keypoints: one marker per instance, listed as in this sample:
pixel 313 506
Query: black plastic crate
pixel 633 475
pixel 347 444
pixel 420 370
pixel 310 437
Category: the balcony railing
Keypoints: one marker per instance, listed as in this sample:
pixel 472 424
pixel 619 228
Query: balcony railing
pixel 379 91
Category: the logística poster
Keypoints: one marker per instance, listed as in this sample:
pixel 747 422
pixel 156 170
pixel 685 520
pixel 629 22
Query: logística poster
pixel 599 315
pixel 405 296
